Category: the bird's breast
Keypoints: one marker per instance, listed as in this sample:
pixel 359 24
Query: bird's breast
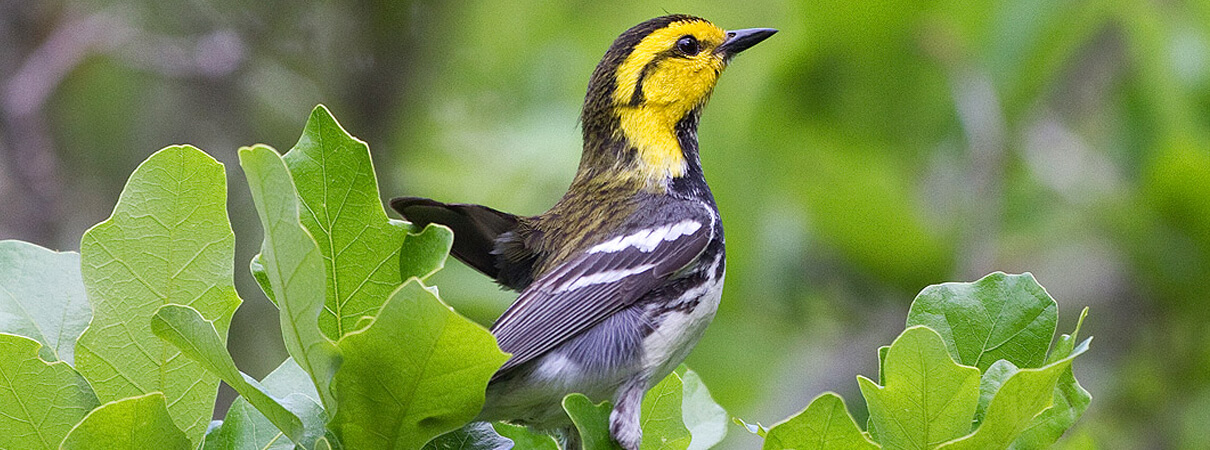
pixel 679 320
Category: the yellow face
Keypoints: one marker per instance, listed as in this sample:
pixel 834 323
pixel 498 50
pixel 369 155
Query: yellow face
pixel 669 73
pixel 677 65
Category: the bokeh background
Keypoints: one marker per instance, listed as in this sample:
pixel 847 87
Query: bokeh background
pixel 868 150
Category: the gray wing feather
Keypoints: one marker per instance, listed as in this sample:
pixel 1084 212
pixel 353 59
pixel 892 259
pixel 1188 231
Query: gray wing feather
pixel 546 315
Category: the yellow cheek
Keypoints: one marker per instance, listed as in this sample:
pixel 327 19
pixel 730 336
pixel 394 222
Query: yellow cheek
pixel 684 82
pixel 700 72
pixel 670 90
pixel 669 93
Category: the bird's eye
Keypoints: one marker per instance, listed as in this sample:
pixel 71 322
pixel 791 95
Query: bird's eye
pixel 688 45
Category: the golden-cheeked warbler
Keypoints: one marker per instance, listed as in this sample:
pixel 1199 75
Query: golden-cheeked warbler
pixel 619 279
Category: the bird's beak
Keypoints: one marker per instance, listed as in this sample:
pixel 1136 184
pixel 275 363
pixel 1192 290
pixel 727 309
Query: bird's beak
pixel 739 40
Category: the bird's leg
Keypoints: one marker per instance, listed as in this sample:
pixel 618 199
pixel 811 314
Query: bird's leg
pixel 624 423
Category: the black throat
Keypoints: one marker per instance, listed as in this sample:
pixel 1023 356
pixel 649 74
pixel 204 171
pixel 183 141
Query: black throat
pixel 693 183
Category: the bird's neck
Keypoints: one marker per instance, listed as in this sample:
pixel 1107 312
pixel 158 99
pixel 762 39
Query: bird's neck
pixel 647 145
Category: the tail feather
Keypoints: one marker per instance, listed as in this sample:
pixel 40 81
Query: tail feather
pixel 475 227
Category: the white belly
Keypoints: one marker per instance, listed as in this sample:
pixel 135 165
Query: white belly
pixel 679 331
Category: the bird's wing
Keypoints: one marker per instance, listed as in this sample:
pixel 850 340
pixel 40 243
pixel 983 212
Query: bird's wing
pixel 475 227
pixel 601 281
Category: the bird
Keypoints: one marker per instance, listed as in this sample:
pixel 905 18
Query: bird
pixel 619 279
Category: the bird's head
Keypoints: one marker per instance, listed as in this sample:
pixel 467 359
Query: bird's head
pixel 656 76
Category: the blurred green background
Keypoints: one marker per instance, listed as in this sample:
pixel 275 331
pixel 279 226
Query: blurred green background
pixel 868 150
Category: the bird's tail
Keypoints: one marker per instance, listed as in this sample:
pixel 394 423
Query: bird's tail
pixel 476 228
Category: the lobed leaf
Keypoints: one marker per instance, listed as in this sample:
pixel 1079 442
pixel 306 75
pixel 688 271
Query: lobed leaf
pixel 184 328
pixel 39 401
pixel 246 428
pixel 824 424
pixel 661 421
pixel 1070 400
pixel 42 298
pixel 927 398
pixel 990 383
pixel 418 371
pixel 424 253
pixel 1000 316
pixel 1025 394
pixel 882 351
pixel 676 413
pixel 134 423
pixel 591 422
pixel 293 267
pixel 473 436
pixel 706 420
pixel 523 439
pixel 168 241
pixel 334 177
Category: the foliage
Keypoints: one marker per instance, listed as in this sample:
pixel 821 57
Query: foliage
pixel 402 399
pixel 138 422
pixel 55 318
pixel 932 394
pixel 168 242
pixel 378 360
pixel 52 397
pixel 867 150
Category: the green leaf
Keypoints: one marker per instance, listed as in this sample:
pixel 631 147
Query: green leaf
pixel 341 208
pixel 705 419
pixel 135 423
pixel 824 424
pixel 246 428
pixel 928 398
pixel 1025 394
pixel 663 427
pixel 196 338
pixel 882 351
pixel 418 371
pixel 1000 316
pixel 473 436
pixel 294 267
pixel 1070 401
pixel 882 362
pixel 168 241
pixel 424 253
pixel 42 298
pixel 39 400
pixel 591 421
pixel 990 383
pixel 1066 343
pixel 671 410
pixel 523 439
pixel 288 379
pixel 262 278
